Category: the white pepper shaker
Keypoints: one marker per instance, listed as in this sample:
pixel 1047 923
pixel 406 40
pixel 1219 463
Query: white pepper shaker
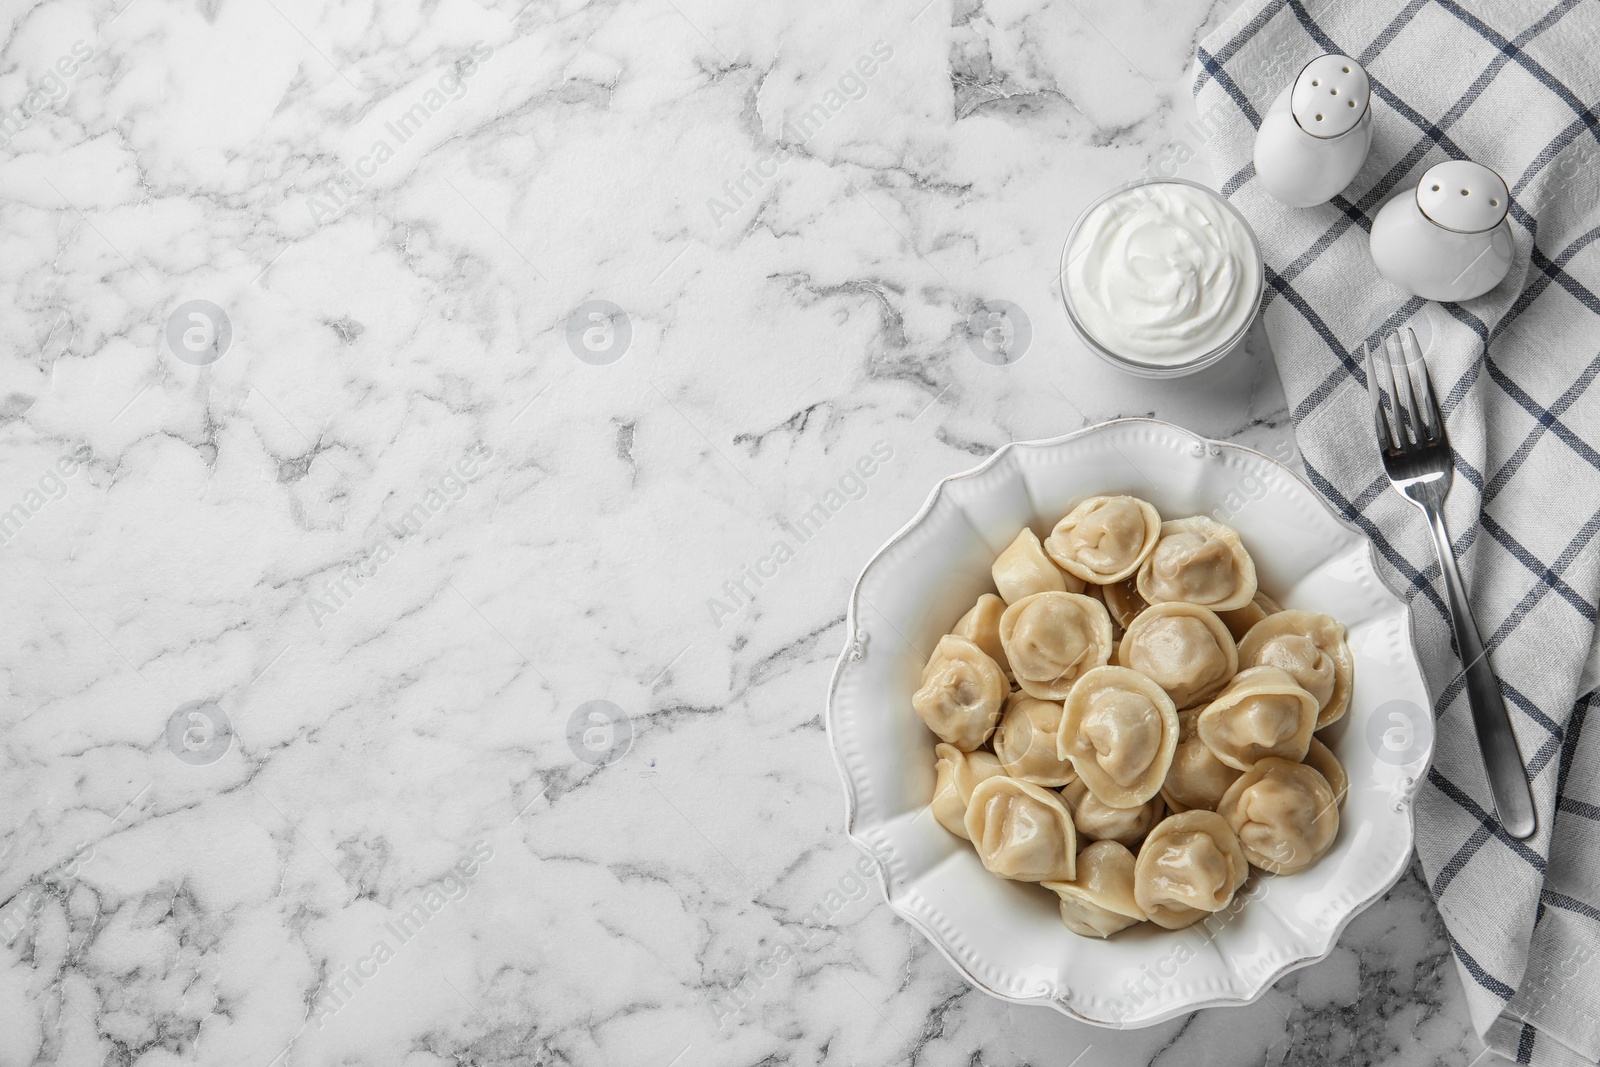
pixel 1316 134
pixel 1449 238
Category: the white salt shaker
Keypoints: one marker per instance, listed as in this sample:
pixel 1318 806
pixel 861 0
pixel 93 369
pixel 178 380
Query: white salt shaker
pixel 1316 134
pixel 1448 239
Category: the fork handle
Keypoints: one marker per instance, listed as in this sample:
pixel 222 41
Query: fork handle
pixel 1508 781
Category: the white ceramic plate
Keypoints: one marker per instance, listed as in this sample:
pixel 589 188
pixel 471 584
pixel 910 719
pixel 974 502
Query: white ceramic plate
pixel 1007 938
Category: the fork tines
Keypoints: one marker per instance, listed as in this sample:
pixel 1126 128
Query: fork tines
pixel 1404 411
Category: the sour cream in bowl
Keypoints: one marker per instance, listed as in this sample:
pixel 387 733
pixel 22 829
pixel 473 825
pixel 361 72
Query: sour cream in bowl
pixel 1162 277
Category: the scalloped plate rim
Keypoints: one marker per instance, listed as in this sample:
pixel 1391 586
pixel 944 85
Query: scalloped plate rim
pixel 1407 799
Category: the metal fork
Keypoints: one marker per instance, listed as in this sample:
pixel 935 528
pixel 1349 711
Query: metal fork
pixel 1417 458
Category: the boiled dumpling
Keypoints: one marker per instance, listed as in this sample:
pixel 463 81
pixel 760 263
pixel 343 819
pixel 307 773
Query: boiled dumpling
pixel 1311 646
pixel 1286 815
pixel 1053 638
pixel 955 773
pixel 1099 901
pixel 1190 866
pixel 1025 741
pixel 1105 538
pixel 981 626
pixel 1123 601
pixel 1183 648
pixel 1320 758
pixel 1261 713
pixel 1197 778
pixel 1119 730
pixel 1098 821
pixel 1198 561
pixel 1239 620
pixel 961 694
pixel 1023 569
pixel 1022 831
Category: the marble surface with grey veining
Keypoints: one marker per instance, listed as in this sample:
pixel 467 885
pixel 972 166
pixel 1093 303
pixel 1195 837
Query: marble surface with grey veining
pixel 402 404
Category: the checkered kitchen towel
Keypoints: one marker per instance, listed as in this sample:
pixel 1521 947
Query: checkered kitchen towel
pixel 1512 84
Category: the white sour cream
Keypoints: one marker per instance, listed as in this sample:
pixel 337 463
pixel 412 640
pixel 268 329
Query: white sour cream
pixel 1163 274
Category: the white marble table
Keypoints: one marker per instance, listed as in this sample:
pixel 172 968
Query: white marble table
pixel 300 616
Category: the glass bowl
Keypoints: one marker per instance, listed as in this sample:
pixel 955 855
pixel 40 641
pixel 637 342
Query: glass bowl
pixel 1142 368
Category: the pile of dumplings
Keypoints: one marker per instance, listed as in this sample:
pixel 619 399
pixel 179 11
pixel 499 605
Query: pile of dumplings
pixel 1131 723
